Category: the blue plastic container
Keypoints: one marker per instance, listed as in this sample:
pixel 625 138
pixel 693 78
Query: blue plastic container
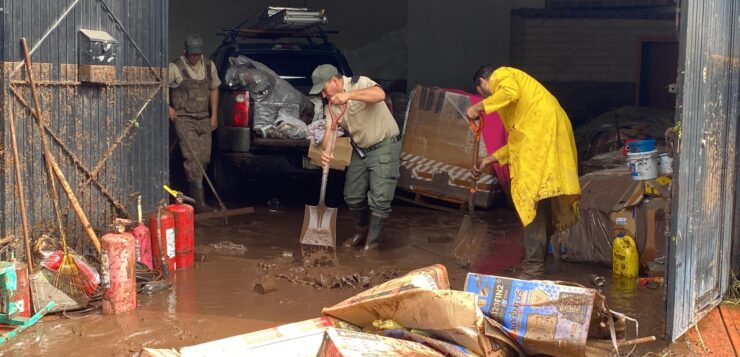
pixel 641 146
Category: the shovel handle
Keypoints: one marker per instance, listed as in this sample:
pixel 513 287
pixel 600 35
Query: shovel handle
pixel 332 141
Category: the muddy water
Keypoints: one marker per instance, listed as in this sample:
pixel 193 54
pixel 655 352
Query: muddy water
pixel 216 299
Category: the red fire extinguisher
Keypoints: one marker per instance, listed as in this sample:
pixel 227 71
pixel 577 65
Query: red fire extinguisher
pixel 184 229
pixel 143 239
pixel 22 295
pixel 118 263
pixel 162 222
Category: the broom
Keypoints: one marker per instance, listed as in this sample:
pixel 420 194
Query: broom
pixel 68 277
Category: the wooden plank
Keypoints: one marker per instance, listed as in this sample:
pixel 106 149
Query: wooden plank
pixel 731 316
pixel 229 213
pixel 713 334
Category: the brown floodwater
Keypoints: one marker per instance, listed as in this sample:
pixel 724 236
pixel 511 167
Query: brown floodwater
pixel 216 299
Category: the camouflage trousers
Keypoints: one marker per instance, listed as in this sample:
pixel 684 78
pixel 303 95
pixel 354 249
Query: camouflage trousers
pixel 195 144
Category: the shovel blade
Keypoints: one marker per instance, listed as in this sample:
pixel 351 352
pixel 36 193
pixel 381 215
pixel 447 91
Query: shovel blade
pixel 319 226
pixel 469 240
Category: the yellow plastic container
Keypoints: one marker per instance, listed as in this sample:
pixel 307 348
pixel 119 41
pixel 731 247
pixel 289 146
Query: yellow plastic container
pixel 625 259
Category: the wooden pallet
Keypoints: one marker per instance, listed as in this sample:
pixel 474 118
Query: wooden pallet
pixel 431 200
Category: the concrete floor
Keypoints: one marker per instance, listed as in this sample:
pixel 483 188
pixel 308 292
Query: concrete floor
pixel 216 298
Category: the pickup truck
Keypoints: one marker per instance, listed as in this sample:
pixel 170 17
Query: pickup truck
pixel 239 154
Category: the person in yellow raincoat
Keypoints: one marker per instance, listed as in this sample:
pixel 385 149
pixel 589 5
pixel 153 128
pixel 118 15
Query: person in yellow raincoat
pixel 541 154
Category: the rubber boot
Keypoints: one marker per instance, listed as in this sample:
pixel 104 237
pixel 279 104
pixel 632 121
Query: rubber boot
pixel 373 233
pixel 196 192
pixel 362 220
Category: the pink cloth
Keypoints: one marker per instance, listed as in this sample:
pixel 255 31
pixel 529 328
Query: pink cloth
pixel 494 137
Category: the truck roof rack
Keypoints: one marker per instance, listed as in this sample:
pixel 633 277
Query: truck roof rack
pixel 281 22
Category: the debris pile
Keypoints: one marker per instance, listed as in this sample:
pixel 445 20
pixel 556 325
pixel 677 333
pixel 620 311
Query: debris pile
pixel 419 315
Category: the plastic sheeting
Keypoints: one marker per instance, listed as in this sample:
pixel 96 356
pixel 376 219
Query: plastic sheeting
pixel 269 93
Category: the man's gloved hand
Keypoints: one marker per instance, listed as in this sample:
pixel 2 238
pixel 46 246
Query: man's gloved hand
pixel 477 170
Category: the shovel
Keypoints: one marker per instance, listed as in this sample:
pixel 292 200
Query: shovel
pixel 472 231
pixel 320 222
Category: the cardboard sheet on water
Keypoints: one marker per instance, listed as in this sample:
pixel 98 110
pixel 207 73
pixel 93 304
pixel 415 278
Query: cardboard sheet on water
pixel 345 343
pixel 300 339
pixel 545 318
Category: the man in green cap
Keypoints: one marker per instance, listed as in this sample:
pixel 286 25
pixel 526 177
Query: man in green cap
pixel 194 83
pixel 373 172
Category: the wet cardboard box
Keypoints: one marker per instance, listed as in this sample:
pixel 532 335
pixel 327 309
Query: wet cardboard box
pixel 438 149
pixel 345 343
pixel 342 154
pixel 545 318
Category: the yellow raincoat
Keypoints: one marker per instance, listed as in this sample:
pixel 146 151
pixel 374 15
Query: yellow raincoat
pixel 541 151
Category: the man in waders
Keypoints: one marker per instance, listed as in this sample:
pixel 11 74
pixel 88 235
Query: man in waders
pixel 373 172
pixel 193 108
pixel 541 153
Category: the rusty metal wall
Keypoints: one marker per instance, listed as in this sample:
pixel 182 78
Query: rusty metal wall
pixel 704 191
pixel 109 139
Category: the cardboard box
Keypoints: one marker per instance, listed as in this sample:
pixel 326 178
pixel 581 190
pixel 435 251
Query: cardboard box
pixel 544 317
pixel 611 202
pixel 297 339
pixel 421 300
pixel 655 230
pixel 342 154
pixel 437 152
pixel 344 343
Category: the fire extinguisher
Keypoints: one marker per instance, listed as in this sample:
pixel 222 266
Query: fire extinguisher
pixel 143 238
pixel 119 270
pixel 184 229
pixel 163 247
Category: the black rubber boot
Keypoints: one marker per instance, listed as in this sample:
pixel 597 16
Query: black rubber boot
pixel 362 220
pixel 373 233
pixel 196 192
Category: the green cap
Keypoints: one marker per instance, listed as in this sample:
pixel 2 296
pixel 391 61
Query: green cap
pixel 320 75
pixel 193 44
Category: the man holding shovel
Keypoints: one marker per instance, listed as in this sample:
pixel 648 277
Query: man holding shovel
pixel 373 172
pixel 193 108
pixel 542 155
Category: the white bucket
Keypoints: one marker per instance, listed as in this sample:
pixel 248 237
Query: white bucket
pixel 643 165
pixel 665 164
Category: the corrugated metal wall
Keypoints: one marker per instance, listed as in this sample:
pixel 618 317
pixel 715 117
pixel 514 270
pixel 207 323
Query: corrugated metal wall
pixel 95 129
pixel 704 195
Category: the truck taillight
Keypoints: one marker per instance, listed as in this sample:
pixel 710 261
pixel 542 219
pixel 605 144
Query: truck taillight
pixel 240 116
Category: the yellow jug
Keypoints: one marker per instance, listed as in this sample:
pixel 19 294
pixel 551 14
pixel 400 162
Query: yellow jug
pixel 625 259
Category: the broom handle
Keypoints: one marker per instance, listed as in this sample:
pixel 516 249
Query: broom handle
pixel 52 164
pixel 44 144
pixel 21 195
pixel 75 204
